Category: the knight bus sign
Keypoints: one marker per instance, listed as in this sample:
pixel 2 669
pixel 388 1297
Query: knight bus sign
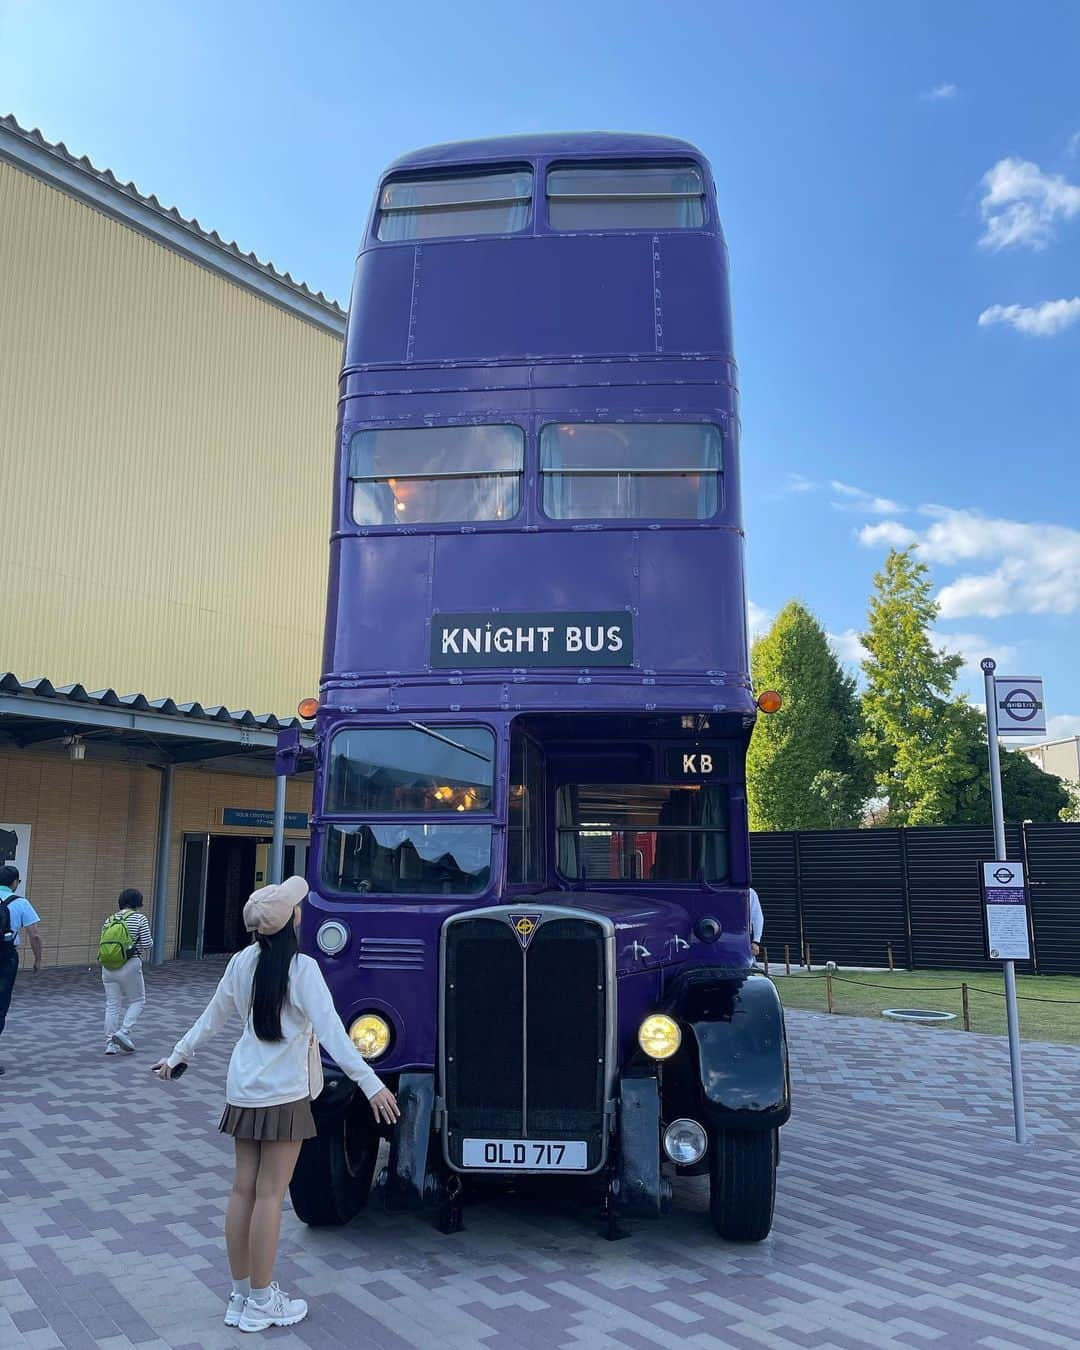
pixel 529 860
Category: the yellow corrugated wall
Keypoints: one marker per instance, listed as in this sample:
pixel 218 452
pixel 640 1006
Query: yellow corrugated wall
pixel 166 442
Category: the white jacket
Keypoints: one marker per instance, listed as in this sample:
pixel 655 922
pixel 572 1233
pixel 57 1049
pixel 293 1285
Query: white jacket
pixel 270 1073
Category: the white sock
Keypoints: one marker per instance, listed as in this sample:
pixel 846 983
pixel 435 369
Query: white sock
pixel 261 1295
pixel 241 1288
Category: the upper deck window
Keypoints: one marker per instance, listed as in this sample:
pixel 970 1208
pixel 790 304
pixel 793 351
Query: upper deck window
pixel 437 208
pixel 436 475
pixel 630 470
pixel 627 197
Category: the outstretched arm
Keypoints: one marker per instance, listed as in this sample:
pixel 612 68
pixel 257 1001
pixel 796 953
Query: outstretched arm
pixel 213 1018
pixel 310 993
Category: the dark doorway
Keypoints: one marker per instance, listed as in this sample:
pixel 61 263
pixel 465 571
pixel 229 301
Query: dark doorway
pixel 230 879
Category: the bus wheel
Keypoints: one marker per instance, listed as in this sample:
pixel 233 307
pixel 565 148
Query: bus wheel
pixel 742 1183
pixel 333 1173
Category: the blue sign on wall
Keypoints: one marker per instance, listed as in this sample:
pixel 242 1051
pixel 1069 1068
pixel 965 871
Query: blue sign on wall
pixel 262 820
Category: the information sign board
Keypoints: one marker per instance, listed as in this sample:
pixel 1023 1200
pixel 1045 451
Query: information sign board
pixel 1005 911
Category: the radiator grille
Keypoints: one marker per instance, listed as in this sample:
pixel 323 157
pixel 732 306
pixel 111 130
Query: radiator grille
pixel 525 1031
pixel 391 954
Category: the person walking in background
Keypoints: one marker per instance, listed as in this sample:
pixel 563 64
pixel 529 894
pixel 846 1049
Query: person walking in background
pixel 275 1070
pixel 757 923
pixel 125 944
pixel 17 915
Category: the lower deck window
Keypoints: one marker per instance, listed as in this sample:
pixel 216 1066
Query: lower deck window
pixel 407 859
pixel 618 832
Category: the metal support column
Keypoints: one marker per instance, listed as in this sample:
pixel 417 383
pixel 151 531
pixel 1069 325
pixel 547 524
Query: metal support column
pixel 277 844
pixel 161 868
pixel 1011 1012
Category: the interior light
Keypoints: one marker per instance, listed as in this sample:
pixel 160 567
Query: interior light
pixel 307 708
pixel 399 506
pixel 770 701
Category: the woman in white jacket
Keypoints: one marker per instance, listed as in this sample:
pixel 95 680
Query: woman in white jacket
pixel 286 1008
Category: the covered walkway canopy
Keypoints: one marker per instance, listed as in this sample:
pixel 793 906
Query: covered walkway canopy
pixel 158 733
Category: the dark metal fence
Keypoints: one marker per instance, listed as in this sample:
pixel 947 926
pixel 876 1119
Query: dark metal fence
pixel 851 895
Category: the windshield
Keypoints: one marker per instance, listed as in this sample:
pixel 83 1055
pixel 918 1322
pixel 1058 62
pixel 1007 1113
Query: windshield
pixel 410 771
pixel 619 832
pixel 413 770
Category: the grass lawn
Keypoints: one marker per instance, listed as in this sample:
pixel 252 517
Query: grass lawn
pixel 940 989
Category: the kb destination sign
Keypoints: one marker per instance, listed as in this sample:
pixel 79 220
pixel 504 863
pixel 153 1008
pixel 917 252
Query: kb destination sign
pixel 596 638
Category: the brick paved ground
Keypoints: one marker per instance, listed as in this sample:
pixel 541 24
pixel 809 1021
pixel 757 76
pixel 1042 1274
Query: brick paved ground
pixel 906 1216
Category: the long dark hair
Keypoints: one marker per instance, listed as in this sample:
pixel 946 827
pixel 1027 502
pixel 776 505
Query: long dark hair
pixel 271 984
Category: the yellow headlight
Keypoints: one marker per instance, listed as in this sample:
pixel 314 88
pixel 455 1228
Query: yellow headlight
pixel 659 1036
pixel 370 1033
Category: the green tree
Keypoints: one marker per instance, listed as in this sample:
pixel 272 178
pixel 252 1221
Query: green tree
pixel 1027 792
pixel 804 768
pixel 918 737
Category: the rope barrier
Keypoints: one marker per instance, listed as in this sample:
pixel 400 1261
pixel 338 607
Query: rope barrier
pixel 940 989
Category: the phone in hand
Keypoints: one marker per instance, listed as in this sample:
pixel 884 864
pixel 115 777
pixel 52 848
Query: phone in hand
pixel 177 1072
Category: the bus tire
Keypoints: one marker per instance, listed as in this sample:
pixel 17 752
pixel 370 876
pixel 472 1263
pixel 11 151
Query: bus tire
pixel 332 1179
pixel 742 1183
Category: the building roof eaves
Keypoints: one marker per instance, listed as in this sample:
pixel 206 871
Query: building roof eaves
pixel 188 715
pixel 100 188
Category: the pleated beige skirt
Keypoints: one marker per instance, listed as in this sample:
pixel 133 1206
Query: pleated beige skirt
pixel 270 1124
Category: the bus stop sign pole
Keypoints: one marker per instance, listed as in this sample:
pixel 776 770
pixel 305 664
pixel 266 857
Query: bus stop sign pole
pixel 988 667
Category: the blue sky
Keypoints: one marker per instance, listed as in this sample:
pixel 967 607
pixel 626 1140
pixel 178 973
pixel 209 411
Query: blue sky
pixel 900 187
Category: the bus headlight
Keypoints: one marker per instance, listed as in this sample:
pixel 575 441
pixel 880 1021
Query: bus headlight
pixel 371 1035
pixel 659 1036
pixel 685 1142
pixel 332 937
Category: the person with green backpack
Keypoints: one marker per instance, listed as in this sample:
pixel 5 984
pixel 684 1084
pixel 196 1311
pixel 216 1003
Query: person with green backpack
pixel 124 945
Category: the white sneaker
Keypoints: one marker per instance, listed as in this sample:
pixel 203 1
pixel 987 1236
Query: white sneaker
pixel 124 1041
pixel 233 1309
pixel 277 1311
pixel 111 1049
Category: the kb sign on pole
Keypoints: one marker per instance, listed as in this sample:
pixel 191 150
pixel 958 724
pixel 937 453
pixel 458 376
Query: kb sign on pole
pixel 1014 707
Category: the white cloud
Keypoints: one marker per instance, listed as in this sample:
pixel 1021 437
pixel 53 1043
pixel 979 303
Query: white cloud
pixel 796 482
pixel 1021 204
pixel 1008 566
pixel 758 619
pixel 972 647
pixel 941 91
pixel 888 534
pixel 1035 568
pixel 1045 320
pixel 858 499
pixel 848 646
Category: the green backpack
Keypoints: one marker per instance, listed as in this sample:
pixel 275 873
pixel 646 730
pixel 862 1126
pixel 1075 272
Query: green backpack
pixel 116 946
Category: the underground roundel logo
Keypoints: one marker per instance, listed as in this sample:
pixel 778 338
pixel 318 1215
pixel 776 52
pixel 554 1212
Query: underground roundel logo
pixel 1020 704
pixel 524 926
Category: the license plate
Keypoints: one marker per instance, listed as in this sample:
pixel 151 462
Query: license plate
pixel 526 1155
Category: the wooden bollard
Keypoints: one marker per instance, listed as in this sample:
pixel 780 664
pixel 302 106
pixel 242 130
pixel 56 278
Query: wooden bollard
pixel 787 958
pixel 828 989
pixel 809 967
pixel 967 1009
pixel 889 949
pixel 765 959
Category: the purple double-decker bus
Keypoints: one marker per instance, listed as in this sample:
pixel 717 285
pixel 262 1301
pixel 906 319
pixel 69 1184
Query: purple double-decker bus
pixel 529 863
